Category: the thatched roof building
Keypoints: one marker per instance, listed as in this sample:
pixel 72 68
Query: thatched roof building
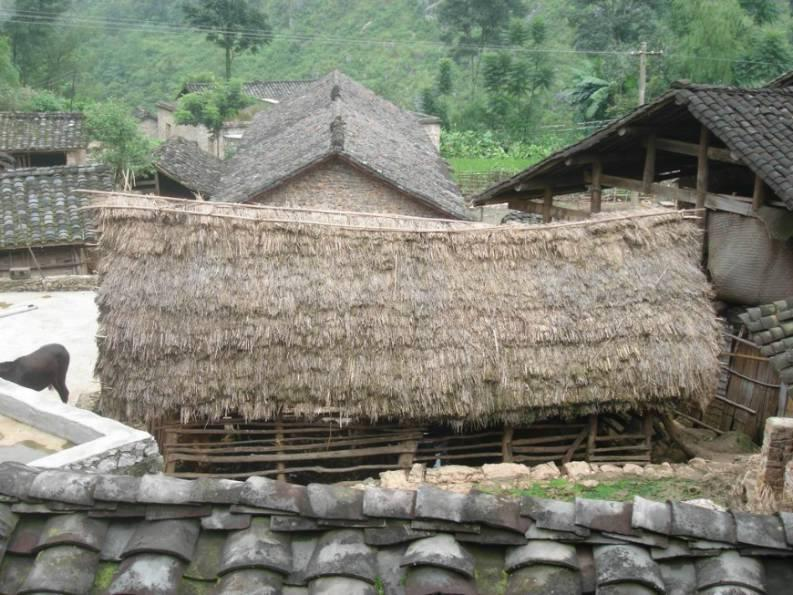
pixel 211 308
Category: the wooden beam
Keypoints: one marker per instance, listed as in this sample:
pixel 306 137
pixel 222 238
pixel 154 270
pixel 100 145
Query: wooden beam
pixel 717 202
pixel 547 205
pixel 702 167
pixel 758 196
pixel 591 436
pixel 680 147
pixel 530 206
pixel 648 176
pixel 506 444
pixel 597 190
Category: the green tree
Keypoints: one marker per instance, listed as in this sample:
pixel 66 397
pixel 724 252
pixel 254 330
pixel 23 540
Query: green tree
pixel 122 145
pixel 9 75
pixel 762 11
pixel 212 107
pixel 769 55
pixel 444 82
pixel 472 25
pixel 237 26
pixel 40 48
pixel 711 36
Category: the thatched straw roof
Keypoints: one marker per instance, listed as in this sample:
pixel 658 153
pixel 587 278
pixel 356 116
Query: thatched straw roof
pixel 210 308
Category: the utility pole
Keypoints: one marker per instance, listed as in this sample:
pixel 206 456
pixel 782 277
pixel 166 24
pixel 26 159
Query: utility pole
pixel 643 53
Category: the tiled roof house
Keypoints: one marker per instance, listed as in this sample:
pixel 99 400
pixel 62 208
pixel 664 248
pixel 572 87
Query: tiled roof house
pixel 44 138
pixel 76 533
pixel 41 211
pixel 336 146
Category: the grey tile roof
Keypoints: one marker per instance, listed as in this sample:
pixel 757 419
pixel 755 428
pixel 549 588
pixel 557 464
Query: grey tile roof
pixel 756 125
pixel 92 536
pixel 263 90
pixel 41 206
pixel 42 131
pixel 339 117
pixel 771 327
pixel 187 163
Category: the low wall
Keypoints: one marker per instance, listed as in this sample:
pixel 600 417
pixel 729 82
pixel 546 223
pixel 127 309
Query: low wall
pixel 102 445
pixel 54 283
pixel 775 473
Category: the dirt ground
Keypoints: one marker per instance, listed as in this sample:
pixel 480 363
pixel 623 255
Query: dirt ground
pixel 69 318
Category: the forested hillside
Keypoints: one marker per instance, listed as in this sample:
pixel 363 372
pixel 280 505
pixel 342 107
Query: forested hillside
pixel 546 70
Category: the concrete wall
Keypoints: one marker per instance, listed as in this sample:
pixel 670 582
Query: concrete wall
pixel 102 445
pixel 338 186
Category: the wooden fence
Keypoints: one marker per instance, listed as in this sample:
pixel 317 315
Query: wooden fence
pixel 324 450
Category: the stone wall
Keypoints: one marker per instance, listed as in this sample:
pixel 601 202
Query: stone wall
pixel 54 283
pixel 335 185
pixel 775 458
pixel 135 458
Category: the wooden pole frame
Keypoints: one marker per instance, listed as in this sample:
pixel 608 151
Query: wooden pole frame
pixel 597 189
pixel 648 176
pixel 758 195
pixel 702 167
pixel 547 205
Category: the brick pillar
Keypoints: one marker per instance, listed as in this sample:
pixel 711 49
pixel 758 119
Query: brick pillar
pixel 777 454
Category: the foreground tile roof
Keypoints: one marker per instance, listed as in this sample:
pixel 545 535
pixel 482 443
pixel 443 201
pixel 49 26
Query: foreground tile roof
pixel 187 163
pixel 771 327
pixel 78 533
pixel 41 205
pixel 42 131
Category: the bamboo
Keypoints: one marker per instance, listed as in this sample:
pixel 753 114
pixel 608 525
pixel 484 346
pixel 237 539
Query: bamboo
pixel 568 455
pixel 748 379
pixel 289 470
pixel 702 166
pixel 597 190
pixel 621 448
pixel 385 450
pixel 699 422
pixel 757 358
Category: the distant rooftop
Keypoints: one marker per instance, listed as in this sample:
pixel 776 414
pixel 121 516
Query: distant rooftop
pixel 42 131
pixel 268 91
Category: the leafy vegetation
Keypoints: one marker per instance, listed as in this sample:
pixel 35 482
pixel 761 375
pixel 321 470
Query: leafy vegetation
pixel 213 106
pixel 619 489
pixel 123 146
pixel 237 26
pixel 532 73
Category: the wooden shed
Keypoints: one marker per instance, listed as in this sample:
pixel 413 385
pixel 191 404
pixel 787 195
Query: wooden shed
pixel 295 339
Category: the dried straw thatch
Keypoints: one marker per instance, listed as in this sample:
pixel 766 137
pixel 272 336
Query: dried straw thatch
pixel 210 308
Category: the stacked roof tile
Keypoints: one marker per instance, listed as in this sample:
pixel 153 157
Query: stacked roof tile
pixel 771 327
pixel 187 163
pixel 41 206
pixel 42 131
pixel 67 532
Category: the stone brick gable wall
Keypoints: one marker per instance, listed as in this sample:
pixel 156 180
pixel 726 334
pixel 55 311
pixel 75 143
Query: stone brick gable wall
pixel 339 186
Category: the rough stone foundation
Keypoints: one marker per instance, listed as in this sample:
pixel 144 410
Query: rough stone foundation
pixel 776 455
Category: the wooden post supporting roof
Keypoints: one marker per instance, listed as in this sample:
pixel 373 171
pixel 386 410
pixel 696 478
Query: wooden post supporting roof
pixel 547 204
pixel 758 196
pixel 702 167
pixel 649 165
pixel 597 191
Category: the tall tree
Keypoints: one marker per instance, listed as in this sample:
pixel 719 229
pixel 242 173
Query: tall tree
pixel 472 25
pixel 36 38
pixel 237 26
pixel 122 145
pixel 212 107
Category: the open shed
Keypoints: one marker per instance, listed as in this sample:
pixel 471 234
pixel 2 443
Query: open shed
pixel 289 319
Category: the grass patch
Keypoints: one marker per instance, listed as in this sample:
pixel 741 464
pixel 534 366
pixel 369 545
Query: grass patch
pixel 466 165
pixel 4 305
pixel 618 489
